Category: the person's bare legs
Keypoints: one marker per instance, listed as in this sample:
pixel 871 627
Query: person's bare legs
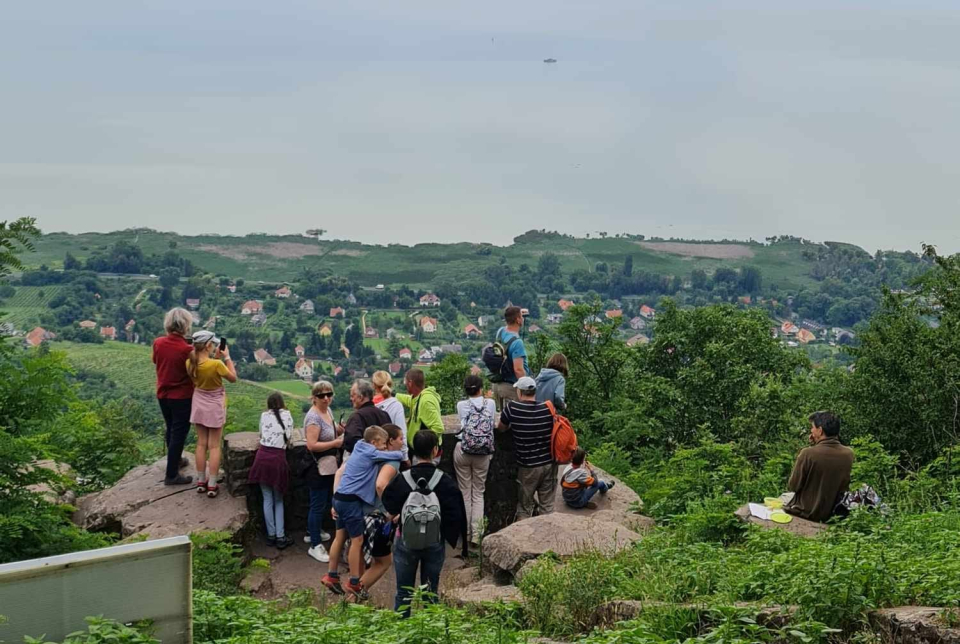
pixel 213 450
pixel 376 570
pixel 336 548
pixel 201 453
pixel 355 556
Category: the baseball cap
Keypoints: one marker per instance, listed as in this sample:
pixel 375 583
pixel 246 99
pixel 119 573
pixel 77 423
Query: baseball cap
pixel 203 337
pixel 526 384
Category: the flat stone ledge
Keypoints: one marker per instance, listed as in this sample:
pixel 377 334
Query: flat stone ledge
pixel 799 527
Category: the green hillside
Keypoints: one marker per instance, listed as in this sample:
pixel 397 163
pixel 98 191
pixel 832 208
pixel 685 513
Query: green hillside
pixel 23 309
pixel 130 367
pixel 281 258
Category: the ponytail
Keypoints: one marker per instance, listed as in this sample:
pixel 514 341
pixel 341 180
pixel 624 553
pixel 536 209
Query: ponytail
pixel 275 403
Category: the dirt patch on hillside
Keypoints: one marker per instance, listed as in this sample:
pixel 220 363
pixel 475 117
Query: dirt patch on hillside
pixel 711 251
pixel 278 250
pixel 349 252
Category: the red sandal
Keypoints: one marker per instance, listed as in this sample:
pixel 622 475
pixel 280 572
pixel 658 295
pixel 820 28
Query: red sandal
pixel 201 487
pixel 213 491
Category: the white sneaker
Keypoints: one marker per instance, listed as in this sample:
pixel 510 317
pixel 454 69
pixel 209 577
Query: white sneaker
pixel 324 536
pixel 319 553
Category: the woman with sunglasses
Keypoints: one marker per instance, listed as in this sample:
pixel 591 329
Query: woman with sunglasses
pixel 323 442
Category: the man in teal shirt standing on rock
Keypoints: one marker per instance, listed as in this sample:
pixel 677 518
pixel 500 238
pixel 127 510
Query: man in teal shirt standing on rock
pixel 509 337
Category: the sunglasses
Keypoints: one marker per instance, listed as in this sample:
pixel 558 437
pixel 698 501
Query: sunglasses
pixel 328 394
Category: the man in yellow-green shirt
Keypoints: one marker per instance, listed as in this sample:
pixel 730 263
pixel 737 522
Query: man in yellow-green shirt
pixel 422 405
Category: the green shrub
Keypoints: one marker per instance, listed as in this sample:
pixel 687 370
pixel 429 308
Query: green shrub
pixel 711 519
pixel 104 631
pixel 217 562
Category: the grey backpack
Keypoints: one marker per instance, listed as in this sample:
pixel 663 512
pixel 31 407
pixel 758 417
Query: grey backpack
pixel 420 515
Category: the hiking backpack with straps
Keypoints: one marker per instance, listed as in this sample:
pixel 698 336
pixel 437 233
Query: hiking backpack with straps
pixel 477 434
pixel 563 441
pixel 420 515
pixel 496 357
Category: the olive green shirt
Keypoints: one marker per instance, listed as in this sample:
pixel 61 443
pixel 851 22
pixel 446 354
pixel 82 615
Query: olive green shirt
pixel 820 477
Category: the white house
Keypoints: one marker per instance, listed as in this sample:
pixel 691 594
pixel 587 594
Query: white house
pixel 304 369
pixel 429 300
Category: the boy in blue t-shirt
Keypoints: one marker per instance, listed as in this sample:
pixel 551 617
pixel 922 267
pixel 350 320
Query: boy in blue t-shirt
pixel 356 492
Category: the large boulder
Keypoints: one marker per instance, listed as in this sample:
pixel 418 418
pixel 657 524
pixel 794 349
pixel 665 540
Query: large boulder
pixel 798 526
pixel 914 625
pixel 140 504
pixel 462 589
pixel 557 533
pixel 56 493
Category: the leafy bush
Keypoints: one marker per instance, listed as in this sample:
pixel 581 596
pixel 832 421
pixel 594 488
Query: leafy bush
pixel 103 631
pixel 217 562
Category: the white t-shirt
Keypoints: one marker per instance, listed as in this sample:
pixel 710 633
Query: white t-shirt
pixel 394 409
pixel 477 402
pixel 272 434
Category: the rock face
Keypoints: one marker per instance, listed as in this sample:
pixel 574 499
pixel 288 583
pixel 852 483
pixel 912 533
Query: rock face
pixel 509 548
pixel 799 527
pixel 53 493
pixel 477 593
pixel 914 625
pixel 141 504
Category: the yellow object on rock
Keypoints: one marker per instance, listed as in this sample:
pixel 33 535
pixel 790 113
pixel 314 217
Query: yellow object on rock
pixel 780 517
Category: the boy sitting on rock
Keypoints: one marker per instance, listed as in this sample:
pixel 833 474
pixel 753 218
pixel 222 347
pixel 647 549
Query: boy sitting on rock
pixel 580 482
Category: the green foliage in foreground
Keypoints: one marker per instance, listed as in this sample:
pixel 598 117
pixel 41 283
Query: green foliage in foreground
pixel 869 562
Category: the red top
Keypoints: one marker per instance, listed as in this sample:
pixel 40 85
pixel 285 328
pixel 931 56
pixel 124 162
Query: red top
pixel 170 353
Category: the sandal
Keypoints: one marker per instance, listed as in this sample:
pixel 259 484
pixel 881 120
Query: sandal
pixel 213 491
pixel 201 487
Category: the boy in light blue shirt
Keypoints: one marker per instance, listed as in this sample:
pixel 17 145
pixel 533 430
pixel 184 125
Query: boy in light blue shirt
pixel 356 492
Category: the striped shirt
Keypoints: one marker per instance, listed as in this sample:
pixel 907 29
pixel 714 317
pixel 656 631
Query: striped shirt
pixel 532 426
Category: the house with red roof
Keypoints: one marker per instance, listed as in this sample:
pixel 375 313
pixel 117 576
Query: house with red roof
pixel 251 307
pixel 406 354
pixel 88 324
pixel 336 312
pixel 788 328
pixel 262 356
pixel 38 336
pixel 394 368
pixel 283 292
pixel 304 369
pixel 429 324
pixel 108 332
pixel 647 312
pixel 564 304
pixel 613 314
pixel 299 350
pixel 429 300
pixel 471 331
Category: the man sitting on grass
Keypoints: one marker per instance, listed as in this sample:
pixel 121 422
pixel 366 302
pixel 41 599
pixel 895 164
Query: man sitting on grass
pixel 821 473
pixel 580 482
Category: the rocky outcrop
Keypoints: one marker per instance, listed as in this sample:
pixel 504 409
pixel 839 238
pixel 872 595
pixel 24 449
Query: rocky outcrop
pixel 915 625
pixel 56 493
pixel 239 450
pixel 140 504
pixel 557 533
pixel 609 614
pixel 466 591
pixel 799 527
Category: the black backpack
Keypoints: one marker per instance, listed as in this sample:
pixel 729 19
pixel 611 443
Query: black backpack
pixel 496 357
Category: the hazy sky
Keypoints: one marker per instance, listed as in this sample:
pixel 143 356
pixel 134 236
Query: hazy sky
pixel 438 121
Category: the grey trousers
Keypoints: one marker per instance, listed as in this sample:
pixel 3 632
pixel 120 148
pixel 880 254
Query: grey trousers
pixel 541 481
pixel 503 391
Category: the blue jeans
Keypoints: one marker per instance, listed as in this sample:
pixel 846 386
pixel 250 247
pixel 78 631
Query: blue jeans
pixel 319 504
pixel 272 511
pixel 587 493
pixel 406 561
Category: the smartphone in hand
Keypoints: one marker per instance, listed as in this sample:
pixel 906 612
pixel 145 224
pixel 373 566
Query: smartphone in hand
pixel 223 344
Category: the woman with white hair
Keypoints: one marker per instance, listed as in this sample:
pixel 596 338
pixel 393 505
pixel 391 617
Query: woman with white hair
pixel 209 410
pixel 174 390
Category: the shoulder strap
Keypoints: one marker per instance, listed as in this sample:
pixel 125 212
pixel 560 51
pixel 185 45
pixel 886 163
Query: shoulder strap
pixel 408 477
pixel 553 410
pixel 435 479
pixel 511 341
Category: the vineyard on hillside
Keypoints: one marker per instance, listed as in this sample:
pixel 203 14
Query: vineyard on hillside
pixel 23 309
pixel 130 367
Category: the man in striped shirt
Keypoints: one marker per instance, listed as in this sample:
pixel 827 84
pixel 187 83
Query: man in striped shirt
pixel 531 424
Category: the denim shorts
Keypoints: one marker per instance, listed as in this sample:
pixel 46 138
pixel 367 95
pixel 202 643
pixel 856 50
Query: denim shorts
pixel 350 517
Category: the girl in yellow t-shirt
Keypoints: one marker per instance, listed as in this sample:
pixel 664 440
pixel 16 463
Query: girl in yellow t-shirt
pixel 208 411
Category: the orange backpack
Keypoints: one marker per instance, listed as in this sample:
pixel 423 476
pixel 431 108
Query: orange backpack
pixel 564 439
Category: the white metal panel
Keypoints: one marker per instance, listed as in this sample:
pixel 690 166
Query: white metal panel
pixel 140 581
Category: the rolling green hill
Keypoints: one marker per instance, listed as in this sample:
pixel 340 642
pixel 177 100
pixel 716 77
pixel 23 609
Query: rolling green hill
pixel 280 258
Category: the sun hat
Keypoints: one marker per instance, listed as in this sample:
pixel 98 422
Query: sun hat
pixel 526 384
pixel 204 336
